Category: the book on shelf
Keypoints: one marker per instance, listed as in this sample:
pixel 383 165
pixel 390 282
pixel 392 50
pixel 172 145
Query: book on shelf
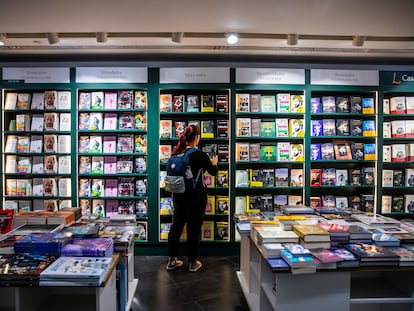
pixel 315 177
pixel 95 121
pixel 370 152
pixel 297 103
pixel 409 128
pixel 315 152
pixel 23 101
pixel 296 177
pixel 22 122
pixel 222 178
pixel 342 127
pixel 315 105
pixel 328 104
pixel 242 102
pixel 210 205
pixel 281 177
pixel 11 164
pixel 207 103
pixel 242 178
pixel 283 102
pixel 329 127
pixel 282 127
pixel 296 152
pixel 397 204
pixel 368 105
pixel 126 121
pixel 63 144
pixel 221 230
pixel 23 144
pixel 283 152
pixel 11 100
pixel 125 99
pixel 327 151
pixel 355 126
pixel 296 128
pixel 222 128
pixel 166 102
pixel 357 151
pixel 51 164
pixel 398 128
pixel 356 104
pixel 222 103
pixel 178 103
pixel 386 130
pixel 268 153
pixel 267 103
pixel 368 128
pixel 342 104
pixel 51 121
pixel 110 121
pixel 36 144
pixel 242 152
pixel 207 230
pixel 141 121
pixel 316 127
pixel 243 127
pixel 341 177
pixel 328 176
pixel 398 153
pixel 256 179
pixel 267 128
pixel 397 105
pixel 254 102
pixel 222 204
pixel 342 150
pixel 95 144
pixel 255 127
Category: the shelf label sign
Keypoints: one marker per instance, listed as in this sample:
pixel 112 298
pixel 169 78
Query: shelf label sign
pixel 111 75
pixel 270 76
pixel 345 77
pixel 37 74
pixel 195 75
pixel 397 78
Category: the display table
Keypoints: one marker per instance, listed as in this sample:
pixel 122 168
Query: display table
pixel 62 298
pixel 362 288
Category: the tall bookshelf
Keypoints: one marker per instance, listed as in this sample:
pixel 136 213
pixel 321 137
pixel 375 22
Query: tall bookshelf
pixel 269 138
pixel 185 103
pixel 344 141
pixel 37 139
pixel 112 153
pixel 396 195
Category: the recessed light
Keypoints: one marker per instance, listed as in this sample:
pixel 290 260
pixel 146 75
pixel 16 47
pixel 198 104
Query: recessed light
pixel 232 38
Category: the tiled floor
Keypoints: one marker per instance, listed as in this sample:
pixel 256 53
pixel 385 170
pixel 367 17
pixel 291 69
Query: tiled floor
pixel 215 287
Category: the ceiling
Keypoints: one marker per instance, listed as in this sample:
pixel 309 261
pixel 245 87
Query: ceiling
pixel 325 28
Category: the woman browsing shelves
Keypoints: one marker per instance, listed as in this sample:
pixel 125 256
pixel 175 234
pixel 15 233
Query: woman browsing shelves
pixel 189 207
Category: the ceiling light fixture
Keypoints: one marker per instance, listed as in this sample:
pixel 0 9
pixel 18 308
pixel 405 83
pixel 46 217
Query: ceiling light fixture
pixel 358 40
pixel 232 38
pixel 101 37
pixel 2 38
pixel 292 39
pixel 53 38
pixel 177 37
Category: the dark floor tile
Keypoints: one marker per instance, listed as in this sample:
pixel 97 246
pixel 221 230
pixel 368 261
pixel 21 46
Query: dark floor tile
pixel 214 287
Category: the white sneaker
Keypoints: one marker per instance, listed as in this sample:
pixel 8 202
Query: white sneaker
pixel 195 265
pixel 173 263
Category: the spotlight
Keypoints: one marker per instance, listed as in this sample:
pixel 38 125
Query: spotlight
pixel 101 37
pixel 177 37
pixel 232 38
pixel 358 41
pixel 2 38
pixel 292 39
pixel 53 37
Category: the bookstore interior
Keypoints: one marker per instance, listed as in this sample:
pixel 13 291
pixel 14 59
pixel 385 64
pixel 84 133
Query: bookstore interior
pixel 315 183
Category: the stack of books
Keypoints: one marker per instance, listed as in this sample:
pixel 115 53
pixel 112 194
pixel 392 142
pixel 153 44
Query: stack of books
pixel 370 254
pixel 76 271
pixel 312 236
pixel 299 263
pixel 89 247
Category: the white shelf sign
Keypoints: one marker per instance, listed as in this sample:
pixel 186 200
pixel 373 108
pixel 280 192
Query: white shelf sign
pixel 345 77
pixel 195 75
pixel 37 74
pixel 270 76
pixel 111 75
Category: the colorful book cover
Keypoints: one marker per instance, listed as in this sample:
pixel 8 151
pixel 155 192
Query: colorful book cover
pixel 268 153
pixel 283 102
pixel 267 103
